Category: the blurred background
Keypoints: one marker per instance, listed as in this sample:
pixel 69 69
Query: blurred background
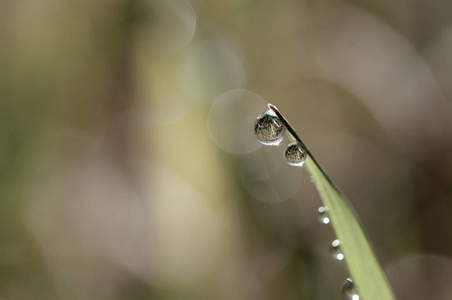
pixel 129 167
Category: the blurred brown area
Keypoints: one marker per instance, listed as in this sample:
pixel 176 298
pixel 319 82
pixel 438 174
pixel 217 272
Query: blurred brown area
pixel 129 169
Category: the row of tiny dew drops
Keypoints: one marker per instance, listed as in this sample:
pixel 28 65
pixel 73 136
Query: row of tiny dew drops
pixel 269 130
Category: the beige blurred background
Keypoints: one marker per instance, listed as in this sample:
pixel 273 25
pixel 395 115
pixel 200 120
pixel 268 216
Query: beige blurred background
pixel 129 167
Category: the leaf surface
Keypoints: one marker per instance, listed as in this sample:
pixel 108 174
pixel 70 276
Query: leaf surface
pixel 363 265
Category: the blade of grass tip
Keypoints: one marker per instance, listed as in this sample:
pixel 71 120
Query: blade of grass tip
pixel 363 265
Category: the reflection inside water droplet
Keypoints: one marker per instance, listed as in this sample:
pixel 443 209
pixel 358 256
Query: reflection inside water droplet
pixel 349 290
pixel 295 154
pixel 269 129
pixel 336 251
pixel 323 215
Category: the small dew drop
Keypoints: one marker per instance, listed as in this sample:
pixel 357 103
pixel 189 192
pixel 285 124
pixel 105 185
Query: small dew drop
pixel 269 129
pixel 349 290
pixel 323 215
pixel 295 154
pixel 336 251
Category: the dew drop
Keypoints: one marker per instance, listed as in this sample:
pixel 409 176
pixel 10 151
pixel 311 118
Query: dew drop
pixel 336 251
pixel 295 154
pixel 269 129
pixel 323 215
pixel 349 290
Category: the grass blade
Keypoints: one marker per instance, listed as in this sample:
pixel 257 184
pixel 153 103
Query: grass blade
pixel 363 265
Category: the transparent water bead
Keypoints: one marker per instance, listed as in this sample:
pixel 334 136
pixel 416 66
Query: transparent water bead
pixel 295 154
pixel 349 290
pixel 323 215
pixel 336 251
pixel 269 129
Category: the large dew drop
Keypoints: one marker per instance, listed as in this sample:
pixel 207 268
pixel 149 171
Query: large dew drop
pixel 269 129
pixel 295 154
pixel 336 251
pixel 323 215
pixel 349 290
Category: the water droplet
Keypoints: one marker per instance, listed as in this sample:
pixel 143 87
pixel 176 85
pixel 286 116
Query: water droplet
pixel 336 251
pixel 323 215
pixel 349 290
pixel 269 129
pixel 295 154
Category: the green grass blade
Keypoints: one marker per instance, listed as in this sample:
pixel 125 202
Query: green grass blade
pixel 360 258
